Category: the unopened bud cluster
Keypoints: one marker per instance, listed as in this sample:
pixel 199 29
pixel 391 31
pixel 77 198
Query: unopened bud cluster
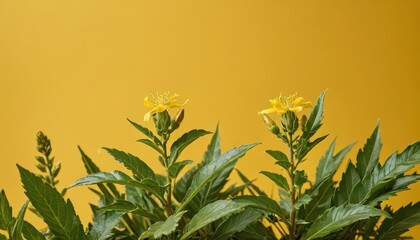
pixel 165 124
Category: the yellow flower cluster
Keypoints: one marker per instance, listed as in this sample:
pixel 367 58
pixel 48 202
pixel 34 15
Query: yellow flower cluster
pixel 283 104
pixel 161 102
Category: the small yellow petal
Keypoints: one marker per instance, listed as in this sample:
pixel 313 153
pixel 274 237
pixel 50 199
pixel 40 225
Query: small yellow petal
pixel 148 103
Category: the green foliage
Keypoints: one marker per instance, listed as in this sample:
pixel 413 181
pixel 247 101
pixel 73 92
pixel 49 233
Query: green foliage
pixel 194 200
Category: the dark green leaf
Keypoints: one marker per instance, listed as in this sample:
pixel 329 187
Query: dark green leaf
pixel 262 202
pixel 133 163
pixel 30 232
pixel 17 227
pixel 210 213
pixel 103 225
pixel 403 219
pixel 58 214
pixel 338 217
pixel 118 177
pixel 329 163
pixel 307 146
pixel 315 118
pixel 256 231
pixel 5 211
pixel 281 158
pixel 151 144
pixel 252 186
pixel 212 170
pixel 184 183
pixel 349 180
pixel 2 237
pixel 278 179
pixel 321 198
pixel 398 185
pixel 129 207
pixel 213 149
pixel 177 167
pixel 368 158
pixel 160 229
pixel 236 223
pixel 181 143
pixel 145 131
pixel 304 200
pixel 300 178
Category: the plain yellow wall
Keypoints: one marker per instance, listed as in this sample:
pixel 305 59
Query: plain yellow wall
pixel 76 69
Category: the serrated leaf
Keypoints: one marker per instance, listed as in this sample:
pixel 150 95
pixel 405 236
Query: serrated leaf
pixel 300 178
pixel 338 217
pixel 181 143
pixel 256 231
pixel 211 170
pixel 304 200
pixel 252 187
pixel 160 229
pixel 213 149
pixel 277 179
pixel 349 180
pixel 210 213
pixel 315 118
pixel 307 146
pixel 139 168
pixel 118 177
pixel 263 203
pixel 177 167
pixel 103 225
pixel 30 232
pixel 184 183
pixel 129 207
pixel 17 227
pixel 398 185
pixel 403 219
pixel 151 144
pixel 321 200
pixel 5 211
pixel 329 162
pixel 281 158
pixel 58 214
pixel 236 223
pixel 368 158
pixel 145 131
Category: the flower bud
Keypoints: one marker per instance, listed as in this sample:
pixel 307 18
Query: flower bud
pixel 271 125
pixel 290 122
pixel 303 122
pixel 177 120
pixel 162 122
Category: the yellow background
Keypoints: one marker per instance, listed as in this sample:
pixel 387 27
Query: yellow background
pixel 75 69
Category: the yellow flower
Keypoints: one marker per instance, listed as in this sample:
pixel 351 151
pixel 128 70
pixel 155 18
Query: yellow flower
pixel 160 103
pixel 283 104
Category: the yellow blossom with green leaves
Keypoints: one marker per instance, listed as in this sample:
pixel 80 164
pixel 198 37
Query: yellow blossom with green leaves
pixel 160 103
pixel 283 104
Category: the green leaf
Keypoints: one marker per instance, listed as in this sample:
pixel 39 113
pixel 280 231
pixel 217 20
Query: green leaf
pixel 400 184
pixel 300 178
pixel 278 179
pixel 177 167
pixel 368 158
pixel 307 146
pixel 236 223
pixel 212 170
pixel 349 180
pixel 151 144
pixel 103 225
pixel 329 163
pixel 30 232
pixel 146 132
pixel 281 158
pixel 315 118
pixel 133 163
pixel 2 237
pixel 181 143
pixel 160 229
pixel 321 200
pixel 403 219
pixel 252 187
pixel 57 214
pixel 129 207
pixel 338 217
pixel 5 211
pixel 256 231
pixel 262 202
pixel 213 149
pixel 304 200
pixel 118 177
pixel 17 227
pixel 210 213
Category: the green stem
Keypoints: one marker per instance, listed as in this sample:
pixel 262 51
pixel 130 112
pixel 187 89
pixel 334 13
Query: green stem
pixel 168 178
pixel 292 228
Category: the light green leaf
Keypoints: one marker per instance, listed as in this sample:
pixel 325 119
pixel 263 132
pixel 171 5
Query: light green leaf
pixel 30 232
pixel 58 214
pixel 133 163
pixel 338 217
pixel 145 131
pixel 212 170
pixel 160 229
pixel 181 143
pixel 304 200
pixel 129 207
pixel 236 223
pixel 278 179
pixel 5 211
pixel 103 225
pixel 281 158
pixel 151 144
pixel 177 167
pixel 210 213
pixel 262 202
pixel 329 162
pixel 118 177
pixel 17 227
pixel 368 158
pixel 403 219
